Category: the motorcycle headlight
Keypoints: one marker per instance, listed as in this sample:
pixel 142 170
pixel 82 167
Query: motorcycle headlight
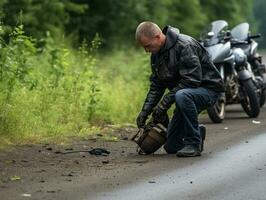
pixel 240 56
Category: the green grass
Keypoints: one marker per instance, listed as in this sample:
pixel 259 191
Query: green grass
pixel 124 81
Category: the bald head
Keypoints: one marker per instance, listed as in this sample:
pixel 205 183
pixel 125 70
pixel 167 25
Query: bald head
pixel 147 29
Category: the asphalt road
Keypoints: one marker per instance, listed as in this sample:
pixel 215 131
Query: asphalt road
pixel 232 167
pixel 236 173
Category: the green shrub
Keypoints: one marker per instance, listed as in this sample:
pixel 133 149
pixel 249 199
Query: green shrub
pixel 47 93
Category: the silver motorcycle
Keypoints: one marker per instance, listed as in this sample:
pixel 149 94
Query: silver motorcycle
pixel 241 38
pixel 240 83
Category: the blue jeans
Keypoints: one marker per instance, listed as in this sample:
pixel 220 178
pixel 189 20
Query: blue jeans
pixel 183 128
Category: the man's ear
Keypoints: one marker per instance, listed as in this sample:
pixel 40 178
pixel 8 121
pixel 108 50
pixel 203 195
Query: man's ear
pixel 157 36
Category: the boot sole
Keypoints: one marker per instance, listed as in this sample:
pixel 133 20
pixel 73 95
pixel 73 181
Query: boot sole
pixel 179 154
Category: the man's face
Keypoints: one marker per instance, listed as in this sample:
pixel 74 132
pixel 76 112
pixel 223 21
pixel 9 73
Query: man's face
pixel 151 45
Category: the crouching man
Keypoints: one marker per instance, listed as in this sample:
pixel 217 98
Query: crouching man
pixel 180 64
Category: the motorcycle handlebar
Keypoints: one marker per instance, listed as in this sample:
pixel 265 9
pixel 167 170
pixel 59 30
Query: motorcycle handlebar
pixel 237 42
pixel 254 36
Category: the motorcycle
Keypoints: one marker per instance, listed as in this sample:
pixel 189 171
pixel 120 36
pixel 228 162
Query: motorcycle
pixel 242 38
pixel 240 85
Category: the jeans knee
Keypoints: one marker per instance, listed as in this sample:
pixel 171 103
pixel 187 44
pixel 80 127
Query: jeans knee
pixel 181 98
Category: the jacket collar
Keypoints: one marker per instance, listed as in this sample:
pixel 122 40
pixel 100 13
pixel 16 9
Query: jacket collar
pixel 171 34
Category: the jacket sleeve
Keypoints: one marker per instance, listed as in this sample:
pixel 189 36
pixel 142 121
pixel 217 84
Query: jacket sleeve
pixel 190 74
pixel 154 95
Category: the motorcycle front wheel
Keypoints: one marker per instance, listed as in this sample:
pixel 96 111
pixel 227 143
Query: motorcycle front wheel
pixel 250 101
pixel 262 97
pixel 217 112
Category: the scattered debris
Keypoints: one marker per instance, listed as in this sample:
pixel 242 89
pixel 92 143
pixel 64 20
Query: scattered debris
pixel 151 182
pixel 99 151
pixel 69 174
pixel 125 138
pixel 50 191
pixel 256 122
pixel 49 148
pixel 92 139
pixel 76 162
pixel 141 161
pixel 57 152
pixel 105 161
pixel 95 151
pixel 26 195
pixel 40 171
pixel 45 145
pixel 15 178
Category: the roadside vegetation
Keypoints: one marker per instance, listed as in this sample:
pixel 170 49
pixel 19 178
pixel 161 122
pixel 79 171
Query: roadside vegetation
pixel 55 90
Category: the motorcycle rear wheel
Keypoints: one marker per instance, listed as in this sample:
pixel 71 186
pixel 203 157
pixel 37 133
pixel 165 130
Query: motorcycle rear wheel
pixel 250 101
pixel 217 112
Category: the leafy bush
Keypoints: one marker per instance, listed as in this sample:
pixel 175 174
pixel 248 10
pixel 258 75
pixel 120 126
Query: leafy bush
pixel 46 91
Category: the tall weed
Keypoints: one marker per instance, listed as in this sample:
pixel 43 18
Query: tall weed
pixel 45 93
pixel 124 83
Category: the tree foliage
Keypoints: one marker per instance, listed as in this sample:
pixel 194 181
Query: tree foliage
pixel 259 14
pixel 233 11
pixel 38 16
pixel 114 20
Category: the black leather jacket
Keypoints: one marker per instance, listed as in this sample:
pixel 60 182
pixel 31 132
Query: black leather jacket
pixel 181 63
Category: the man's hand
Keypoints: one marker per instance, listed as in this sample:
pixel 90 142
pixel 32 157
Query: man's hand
pixel 159 114
pixel 141 119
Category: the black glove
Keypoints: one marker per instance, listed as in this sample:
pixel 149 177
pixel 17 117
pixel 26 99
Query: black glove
pixel 159 115
pixel 141 119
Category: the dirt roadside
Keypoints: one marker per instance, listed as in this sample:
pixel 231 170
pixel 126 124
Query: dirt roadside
pixel 41 171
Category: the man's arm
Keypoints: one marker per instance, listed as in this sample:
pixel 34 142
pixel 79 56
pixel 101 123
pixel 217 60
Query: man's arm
pixel 154 95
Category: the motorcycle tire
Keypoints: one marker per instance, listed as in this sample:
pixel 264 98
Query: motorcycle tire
pixel 262 97
pixel 217 112
pixel 250 102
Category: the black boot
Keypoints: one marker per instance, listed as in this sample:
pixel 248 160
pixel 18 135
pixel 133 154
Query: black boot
pixel 194 150
pixel 189 150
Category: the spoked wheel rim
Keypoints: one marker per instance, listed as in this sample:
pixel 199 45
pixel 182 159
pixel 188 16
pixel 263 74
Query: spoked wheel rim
pixel 219 107
pixel 246 101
